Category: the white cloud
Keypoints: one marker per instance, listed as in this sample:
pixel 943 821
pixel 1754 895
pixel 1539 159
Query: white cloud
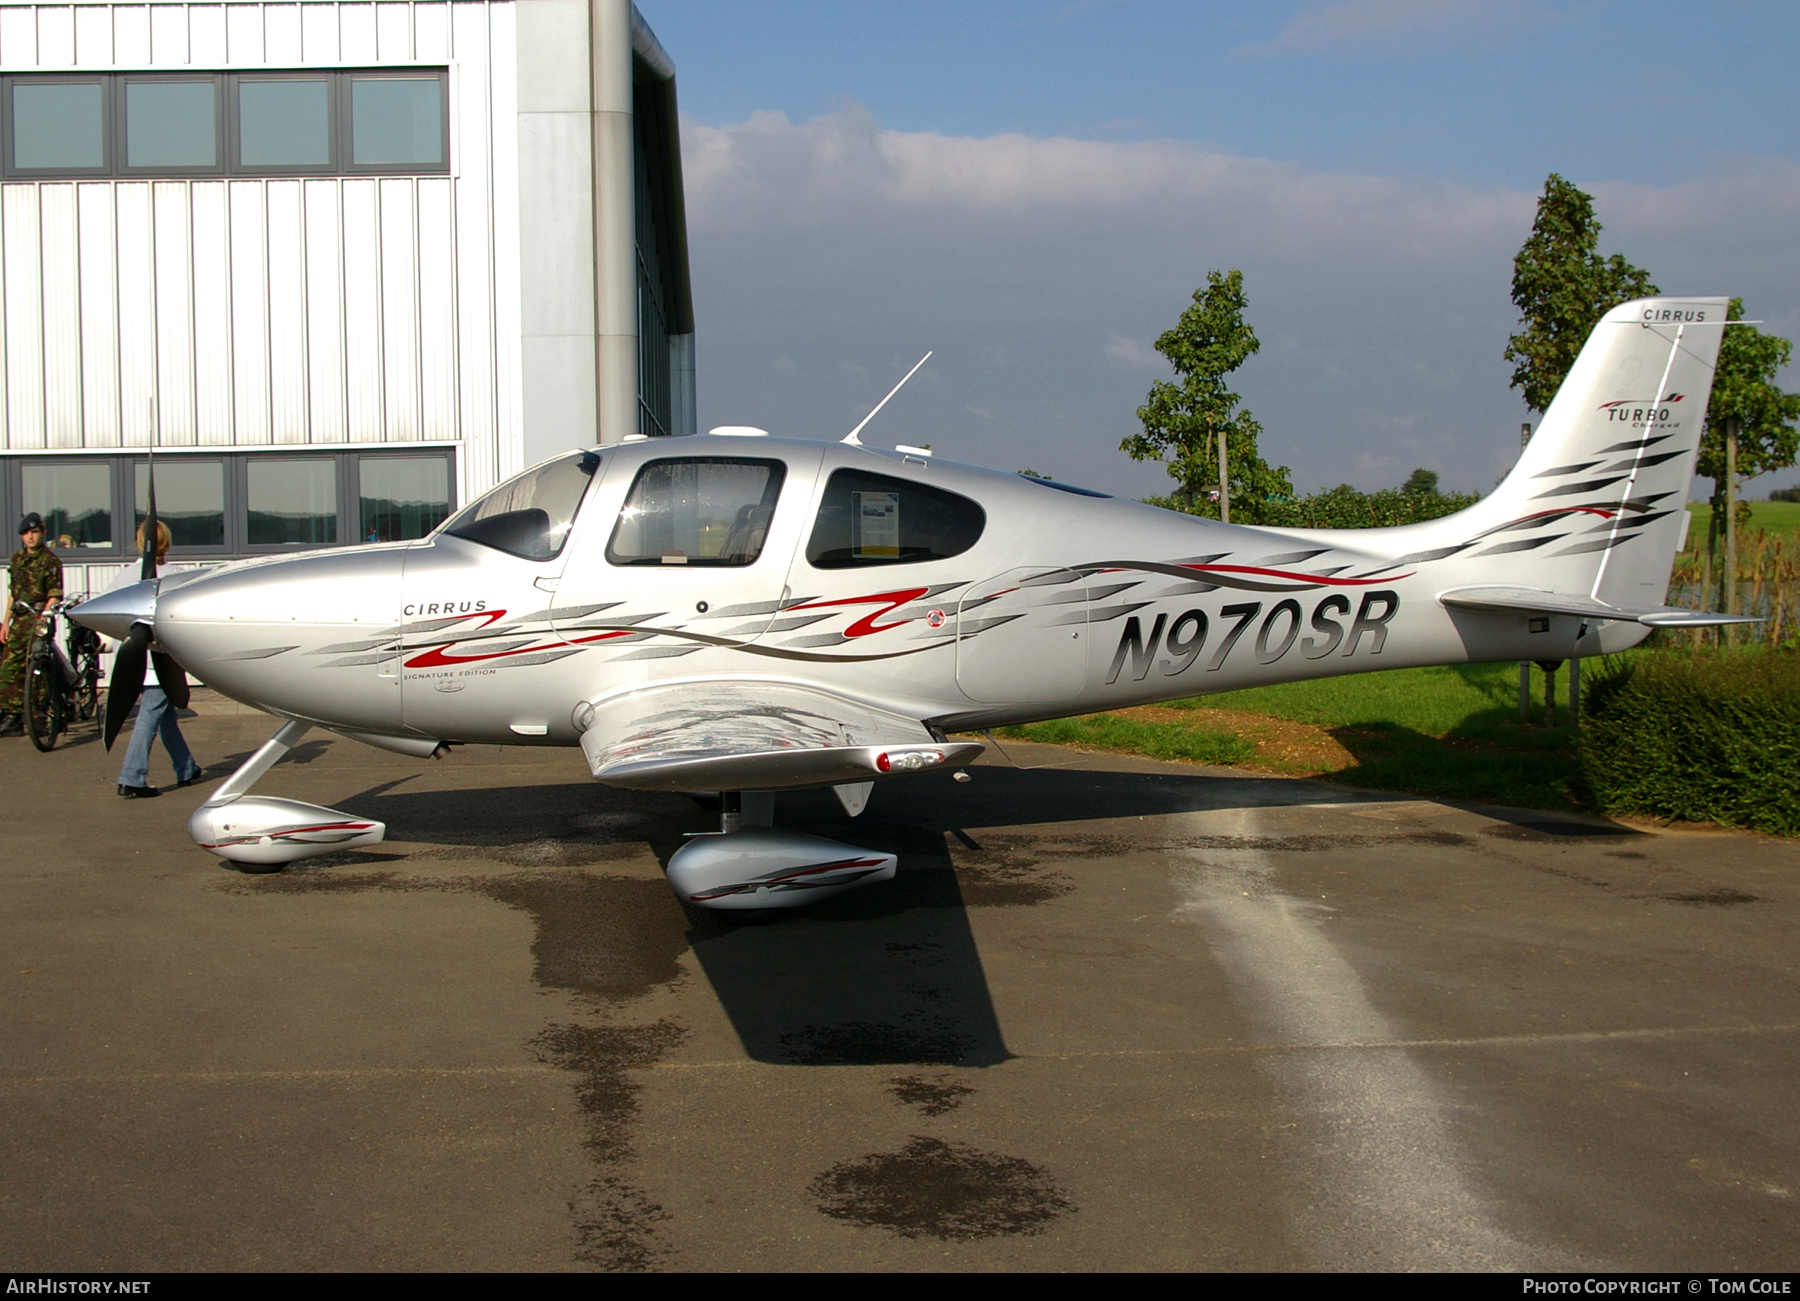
pixel 1139 356
pixel 853 249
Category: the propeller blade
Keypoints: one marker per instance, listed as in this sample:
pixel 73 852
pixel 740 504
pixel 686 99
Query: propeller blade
pixel 171 677
pixel 147 570
pixel 127 680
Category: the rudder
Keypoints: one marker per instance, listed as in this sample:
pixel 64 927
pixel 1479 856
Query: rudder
pixel 1598 499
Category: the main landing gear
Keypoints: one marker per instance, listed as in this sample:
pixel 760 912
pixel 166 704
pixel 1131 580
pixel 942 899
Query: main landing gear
pixel 748 864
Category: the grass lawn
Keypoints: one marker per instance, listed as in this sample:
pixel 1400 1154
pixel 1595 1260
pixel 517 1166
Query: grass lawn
pixel 1779 518
pixel 1450 732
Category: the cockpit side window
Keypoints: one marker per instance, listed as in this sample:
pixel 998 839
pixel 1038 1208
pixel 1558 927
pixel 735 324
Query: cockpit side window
pixel 698 510
pixel 871 519
pixel 529 515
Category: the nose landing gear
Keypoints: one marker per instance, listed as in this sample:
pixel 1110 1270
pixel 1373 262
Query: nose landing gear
pixel 262 833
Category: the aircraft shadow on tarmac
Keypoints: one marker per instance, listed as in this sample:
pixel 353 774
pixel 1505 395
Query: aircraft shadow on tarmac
pixel 890 974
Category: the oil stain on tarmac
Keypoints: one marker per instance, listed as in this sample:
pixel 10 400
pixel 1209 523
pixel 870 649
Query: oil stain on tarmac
pixel 947 1191
pixel 934 1096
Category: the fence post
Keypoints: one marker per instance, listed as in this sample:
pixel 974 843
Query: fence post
pixel 1549 667
pixel 1731 566
pixel 1524 665
pixel 1224 483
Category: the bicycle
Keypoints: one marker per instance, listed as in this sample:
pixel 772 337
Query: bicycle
pixel 62 683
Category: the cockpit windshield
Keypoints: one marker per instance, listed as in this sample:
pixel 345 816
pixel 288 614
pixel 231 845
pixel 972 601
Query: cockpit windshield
pixel 529 515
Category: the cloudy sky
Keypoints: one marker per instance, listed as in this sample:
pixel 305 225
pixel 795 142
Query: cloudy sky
pixel 1034 188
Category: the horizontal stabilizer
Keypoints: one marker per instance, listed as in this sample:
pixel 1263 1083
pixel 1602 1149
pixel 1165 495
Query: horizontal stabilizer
pixel 1532 600
pixel 750 735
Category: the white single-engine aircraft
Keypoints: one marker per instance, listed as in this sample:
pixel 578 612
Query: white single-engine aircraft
pixel 745 615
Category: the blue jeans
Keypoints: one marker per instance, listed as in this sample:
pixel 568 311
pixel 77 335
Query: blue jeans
pixel 155 714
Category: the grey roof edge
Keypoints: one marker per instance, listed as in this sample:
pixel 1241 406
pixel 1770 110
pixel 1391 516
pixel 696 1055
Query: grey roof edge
pixel 645 45
pixel 650 56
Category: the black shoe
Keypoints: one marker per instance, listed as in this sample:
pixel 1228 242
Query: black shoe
pixel 11 725
pixel 139 792
pixel 199 775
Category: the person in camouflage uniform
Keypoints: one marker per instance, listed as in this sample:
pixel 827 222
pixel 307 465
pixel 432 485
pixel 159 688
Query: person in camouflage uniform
pixel 34 577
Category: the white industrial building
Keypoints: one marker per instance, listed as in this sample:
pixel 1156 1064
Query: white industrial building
pixel 345 265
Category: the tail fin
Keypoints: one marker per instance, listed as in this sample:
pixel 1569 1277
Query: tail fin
pixel 1597 503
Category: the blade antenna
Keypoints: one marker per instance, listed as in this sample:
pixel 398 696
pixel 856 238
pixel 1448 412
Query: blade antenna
pixel 851 438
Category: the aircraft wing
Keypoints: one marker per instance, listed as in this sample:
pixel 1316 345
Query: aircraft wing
pixel 729 736
pixel 1534 600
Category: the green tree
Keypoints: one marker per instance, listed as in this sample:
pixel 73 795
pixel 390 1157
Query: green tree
pixel 1421 483
pixel 1182 420
pixel 1562 287
pixel 1744 390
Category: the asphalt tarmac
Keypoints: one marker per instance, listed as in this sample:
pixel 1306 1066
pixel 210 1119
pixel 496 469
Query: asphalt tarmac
pixel 1113 1014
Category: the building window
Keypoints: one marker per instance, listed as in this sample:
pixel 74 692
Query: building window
pixel 292 503
pixel 403 497
pixel 171 125
pixel 392 121
pixel 218 506
pixel 190 500
pixel 284 123
pixel 396 122
pixel 56 125
pixel 75 499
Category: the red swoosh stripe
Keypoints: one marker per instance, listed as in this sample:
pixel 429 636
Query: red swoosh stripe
pixel 888 601
pixel 436 659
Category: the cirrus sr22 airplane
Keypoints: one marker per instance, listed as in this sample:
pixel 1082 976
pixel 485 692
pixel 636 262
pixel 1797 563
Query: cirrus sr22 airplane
pixel 749 615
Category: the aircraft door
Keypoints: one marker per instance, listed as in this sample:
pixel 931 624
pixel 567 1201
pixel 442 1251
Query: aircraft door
pixel 475 598
pixel 1022 636
pixel 696 553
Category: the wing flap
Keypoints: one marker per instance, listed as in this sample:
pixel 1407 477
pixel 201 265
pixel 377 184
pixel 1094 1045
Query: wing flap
pixel 754 736
pixel 1532 600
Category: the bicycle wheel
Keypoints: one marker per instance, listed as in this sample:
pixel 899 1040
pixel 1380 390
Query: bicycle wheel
pixel 43 701
pixel 87 688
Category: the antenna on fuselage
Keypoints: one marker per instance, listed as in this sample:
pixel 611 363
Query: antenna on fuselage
pixel 851 437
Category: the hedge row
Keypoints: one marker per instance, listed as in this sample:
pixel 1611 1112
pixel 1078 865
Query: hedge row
pixel 1342 507
pixel 1710 738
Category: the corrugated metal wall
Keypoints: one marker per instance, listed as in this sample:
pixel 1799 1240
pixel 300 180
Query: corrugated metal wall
pixel 270 312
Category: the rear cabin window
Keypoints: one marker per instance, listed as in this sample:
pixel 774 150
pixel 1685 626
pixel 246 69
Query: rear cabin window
pixel 870 519
pixel 701 510
pixel 529 515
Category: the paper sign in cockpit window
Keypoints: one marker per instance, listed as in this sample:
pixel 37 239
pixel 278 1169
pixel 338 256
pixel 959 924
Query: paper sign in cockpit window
pixel 877 517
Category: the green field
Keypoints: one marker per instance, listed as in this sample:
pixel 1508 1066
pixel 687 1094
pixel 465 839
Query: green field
pixel 1778 518
pixel 1450 732
pixel 1472 701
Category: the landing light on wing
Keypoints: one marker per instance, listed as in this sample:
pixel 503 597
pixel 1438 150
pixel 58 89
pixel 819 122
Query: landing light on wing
pixel 908 761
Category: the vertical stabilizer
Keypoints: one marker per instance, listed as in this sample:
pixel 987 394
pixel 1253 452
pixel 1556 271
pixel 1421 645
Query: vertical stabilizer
pixel 1597 502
